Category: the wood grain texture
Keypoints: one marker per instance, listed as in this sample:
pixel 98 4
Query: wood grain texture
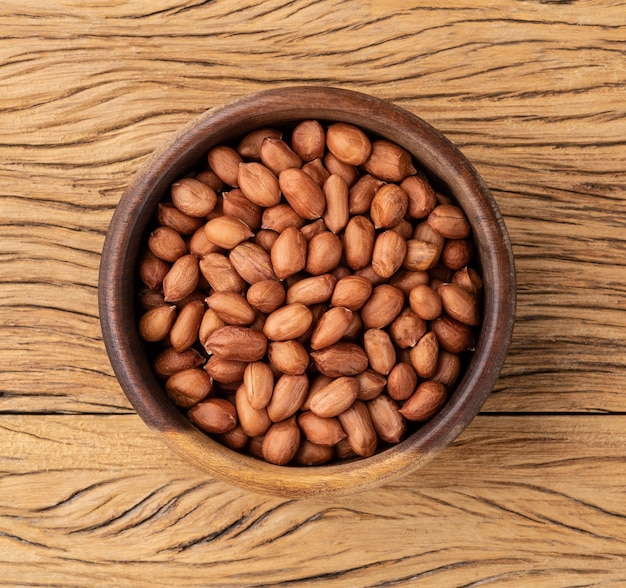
pixel 516 500
pixel 534 94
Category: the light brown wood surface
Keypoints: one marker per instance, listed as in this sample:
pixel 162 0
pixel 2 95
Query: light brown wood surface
pixel 533 493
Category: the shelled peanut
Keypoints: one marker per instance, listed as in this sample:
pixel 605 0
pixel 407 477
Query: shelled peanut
pixel 308 295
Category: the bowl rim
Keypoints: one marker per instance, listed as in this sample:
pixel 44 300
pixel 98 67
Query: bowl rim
pixel 280 106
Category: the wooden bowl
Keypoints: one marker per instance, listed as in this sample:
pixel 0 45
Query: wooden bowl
pixel 442 162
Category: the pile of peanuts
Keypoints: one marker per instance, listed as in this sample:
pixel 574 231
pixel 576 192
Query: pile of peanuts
pixel 308 296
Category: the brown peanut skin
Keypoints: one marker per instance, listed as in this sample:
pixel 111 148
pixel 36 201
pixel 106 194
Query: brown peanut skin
pixel 334 398
pixel 288 357
pixel 235 439
pixel 321 430
pixel 266 296
pixel 227 231
pixel 357 424
pixel 169 362
pixel 167 244
pixel 308 140
pixel 362 193
pixel 380 350
pixel 218 270
pixel 235 203
pixel 193 197
pixel 313 290
pixel 288 396
pixel 232 308
pixel 422 197
pixel 279 217
pixel 311 454
pixel 168 215
pixel 186 328
pixel 258 183
pixel 402 381
pixel 383 306
pixel 449 221
pixel 425 302
pixel 427 399
pixel 331 327
pixel 351 292
pixel 250 146
pixel 388 253
pixel 453 335
pixel 324 253
pixel 316 171
pixel 155 324
pixel 348 143
pixel 388 206
pixel 389 161
pixel 187 388
pixel 358 242
pixel 340 359
pixel 258 380
pixel 237 343
pixel 424 355
pixel 302 192
pixel 278 156
pixel 254 421
pixel 407 329
pixel 252 262
pixel 225 371
pixel 182 278
pixel 371 384
pixel 388 422
pixel 448 369
pixel 289 253
pixel 224 161
pixel 281 442
pixel 214 415
pixel 347 171
pixel 459 303
pixel 288 322
pixel 337 213
pixel 325 312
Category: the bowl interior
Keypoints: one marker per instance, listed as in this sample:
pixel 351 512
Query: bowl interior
pixel 442 162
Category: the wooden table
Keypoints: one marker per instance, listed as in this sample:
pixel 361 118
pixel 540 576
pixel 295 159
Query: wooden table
pixel 532 494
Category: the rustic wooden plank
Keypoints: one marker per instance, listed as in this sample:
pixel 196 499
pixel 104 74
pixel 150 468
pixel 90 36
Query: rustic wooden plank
pixel 516 500
pixel 83 141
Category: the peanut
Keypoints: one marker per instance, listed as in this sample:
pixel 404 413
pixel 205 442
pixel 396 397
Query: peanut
pixel 259 384
pixel 337 214
pixel 288 395
pixel 278 156
pixel 193 197
pixel 188 387
pixel 324 253
pixel 289 253
pixel 167 244
pixel 253 421
pixel 348 143
pixel 156 323
pixel 258 184
pixel 308 140
pixel 288 357
pixel 214 415
pixel 236 204
pixel 250 146
pixel 281 442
